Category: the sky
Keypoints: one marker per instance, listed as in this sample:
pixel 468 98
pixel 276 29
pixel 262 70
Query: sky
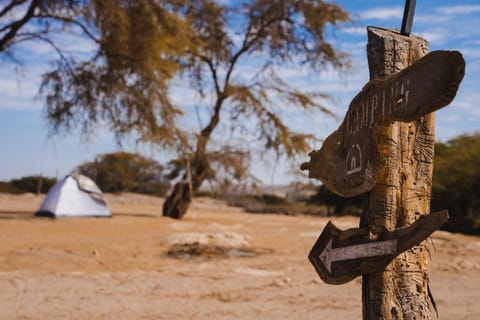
pixel 27 148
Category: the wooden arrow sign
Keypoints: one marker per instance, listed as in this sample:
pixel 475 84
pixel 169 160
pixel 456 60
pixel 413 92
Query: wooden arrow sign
pixel 357 251
pixel 341 256
pixel 349 160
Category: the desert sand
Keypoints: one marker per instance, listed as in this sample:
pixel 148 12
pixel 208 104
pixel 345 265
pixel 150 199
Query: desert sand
pixel 119 268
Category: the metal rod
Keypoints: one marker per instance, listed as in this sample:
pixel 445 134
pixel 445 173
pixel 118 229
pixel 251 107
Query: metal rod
pixel 408 17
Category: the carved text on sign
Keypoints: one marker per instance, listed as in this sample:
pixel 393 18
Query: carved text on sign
pixel 349 160
pixel 367 109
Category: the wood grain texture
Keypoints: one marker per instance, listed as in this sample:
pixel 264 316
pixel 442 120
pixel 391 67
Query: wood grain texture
pixel 402 192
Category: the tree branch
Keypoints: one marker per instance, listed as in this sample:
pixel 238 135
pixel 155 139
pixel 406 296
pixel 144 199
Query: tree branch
pixel 69 20
pixel 28 36
pixel 247 44
pixel 213 70
pixel 11 6
pixel 14 27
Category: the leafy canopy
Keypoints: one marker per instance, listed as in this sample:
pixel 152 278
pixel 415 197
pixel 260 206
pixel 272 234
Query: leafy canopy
pixel 228 52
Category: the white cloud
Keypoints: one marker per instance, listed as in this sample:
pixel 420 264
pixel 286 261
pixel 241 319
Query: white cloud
pixel 470 52
pixel 355 31
pixel 428 18
pixel 450 125
pixel 436 37
pixel 17 13
pixel 39 49
pixel 356 50
pixel 382 13
pixel 71 42
pixel 17 101
pixel 466 103
pixel 457 10
pixel 18 88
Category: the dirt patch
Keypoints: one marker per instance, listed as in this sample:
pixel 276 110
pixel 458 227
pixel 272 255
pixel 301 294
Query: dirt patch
pixel 198 251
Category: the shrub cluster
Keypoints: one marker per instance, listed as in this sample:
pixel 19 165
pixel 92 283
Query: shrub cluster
pixel 112 172
pixel 33 184
pixel 124 171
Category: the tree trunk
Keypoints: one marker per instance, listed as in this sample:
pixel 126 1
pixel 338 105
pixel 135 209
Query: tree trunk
pixel 178 202
pixel 402 193
pixel 176 205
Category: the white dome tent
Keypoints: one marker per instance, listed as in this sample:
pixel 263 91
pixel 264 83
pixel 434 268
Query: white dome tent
pixel 74 196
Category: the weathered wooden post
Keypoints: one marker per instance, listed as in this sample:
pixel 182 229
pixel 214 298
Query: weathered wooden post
pixel 402 192
pixel 384 149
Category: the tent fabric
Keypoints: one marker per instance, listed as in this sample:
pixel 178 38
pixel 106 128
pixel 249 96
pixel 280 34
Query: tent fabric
pixel 74 196
pixel 87 184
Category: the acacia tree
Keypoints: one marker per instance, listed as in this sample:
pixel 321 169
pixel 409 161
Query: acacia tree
pixel 145 47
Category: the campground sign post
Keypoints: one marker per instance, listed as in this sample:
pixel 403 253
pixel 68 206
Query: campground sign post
pixel 384 149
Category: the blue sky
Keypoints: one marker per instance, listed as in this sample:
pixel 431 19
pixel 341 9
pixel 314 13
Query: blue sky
pixel 27 149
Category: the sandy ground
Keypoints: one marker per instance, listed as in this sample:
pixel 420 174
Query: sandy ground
pixel 118 268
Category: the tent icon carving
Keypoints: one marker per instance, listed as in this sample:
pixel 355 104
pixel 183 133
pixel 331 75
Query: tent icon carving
pixel 354 160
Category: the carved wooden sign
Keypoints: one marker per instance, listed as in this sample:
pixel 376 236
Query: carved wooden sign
pixel 349 160
pixel 341 256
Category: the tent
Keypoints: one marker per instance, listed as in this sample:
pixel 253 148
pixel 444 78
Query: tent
pixel 74 196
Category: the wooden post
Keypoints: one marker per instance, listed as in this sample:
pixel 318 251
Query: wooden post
pixel 402 192
pixel 392 162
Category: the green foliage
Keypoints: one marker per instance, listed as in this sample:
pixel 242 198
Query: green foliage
pixel 456 181
pixel 33 184
pixel 6 187
pixel 123 171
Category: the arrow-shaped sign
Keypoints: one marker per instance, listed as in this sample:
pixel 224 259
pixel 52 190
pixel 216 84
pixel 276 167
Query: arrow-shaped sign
pixel 349 160
pixel 365 250
pixel 341 256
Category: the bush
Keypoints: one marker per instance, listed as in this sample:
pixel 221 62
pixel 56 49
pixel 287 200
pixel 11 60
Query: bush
pixel 123 171
pixel 456 181
pixel 33 184
pixel 7 187
pixel 272 199
pixel 337 205
pixel 269 203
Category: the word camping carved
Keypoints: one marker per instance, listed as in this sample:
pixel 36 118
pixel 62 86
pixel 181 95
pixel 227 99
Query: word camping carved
pixel 349 160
